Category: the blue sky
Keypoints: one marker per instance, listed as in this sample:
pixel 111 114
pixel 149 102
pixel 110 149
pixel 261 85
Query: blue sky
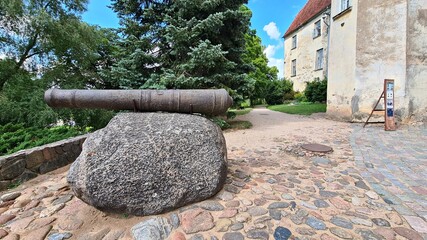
pixel 270 18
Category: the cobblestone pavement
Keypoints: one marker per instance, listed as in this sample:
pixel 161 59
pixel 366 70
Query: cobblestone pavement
pixel 395 165
pixel 274 190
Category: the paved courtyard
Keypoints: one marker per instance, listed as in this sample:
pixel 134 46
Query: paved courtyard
pixel 370 187
pixel 395 165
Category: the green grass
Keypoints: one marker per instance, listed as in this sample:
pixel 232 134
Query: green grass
pixel 241 111
pixel 14 185
pixel 240 124
pixel 301 108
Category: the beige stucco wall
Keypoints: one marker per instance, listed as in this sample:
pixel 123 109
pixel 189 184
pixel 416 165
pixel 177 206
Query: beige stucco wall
pixel 380 54
pixel 342 61
pixel 417 60
pixel 305 54
pixel 379 40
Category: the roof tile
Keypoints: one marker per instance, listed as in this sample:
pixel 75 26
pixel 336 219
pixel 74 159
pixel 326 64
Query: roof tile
pixel 311 9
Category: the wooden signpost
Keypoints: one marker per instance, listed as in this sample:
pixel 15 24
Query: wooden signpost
pixel 390 125
pixel 388 95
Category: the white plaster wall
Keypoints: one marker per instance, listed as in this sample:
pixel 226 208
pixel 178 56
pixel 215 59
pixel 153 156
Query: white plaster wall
pixel 417 60
pixel 380 54
pixel 342 61
pixel 305 54
pixel 390 43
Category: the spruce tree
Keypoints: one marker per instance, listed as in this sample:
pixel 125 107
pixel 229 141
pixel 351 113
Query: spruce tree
pixel 184 44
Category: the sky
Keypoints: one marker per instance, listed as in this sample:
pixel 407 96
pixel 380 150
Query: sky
pixel 270 18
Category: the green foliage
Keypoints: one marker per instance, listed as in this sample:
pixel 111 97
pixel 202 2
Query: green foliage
pixel 300 97
pixel 231 114
pixel 21 101
pixel 316 91
pixel 183 44
pixel 46 44
pixel 93 118
pixel 240 124
pixel 223 124
pixel 38 33
pixel 279 91
pixel 13 185
pixel 15 137
pixel 301 109
pixel 239 112
pixel 231 124
pixel 260 72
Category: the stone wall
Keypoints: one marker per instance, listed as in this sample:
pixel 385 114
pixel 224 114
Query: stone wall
pixel 416 68
pixel 305 54
pixel 378 40
pixel 27 164
pixel 342 63
pixel 380 54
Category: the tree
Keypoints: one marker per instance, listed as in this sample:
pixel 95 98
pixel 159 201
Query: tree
pixel 21 100
pixel 139 53
pixel 39 34
pixel 44 43
pixel 184 44
pixel 262 74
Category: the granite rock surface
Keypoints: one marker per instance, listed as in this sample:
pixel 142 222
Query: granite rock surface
pixel 150 163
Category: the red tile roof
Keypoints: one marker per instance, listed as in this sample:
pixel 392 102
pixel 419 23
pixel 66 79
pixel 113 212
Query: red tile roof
pixel 310 10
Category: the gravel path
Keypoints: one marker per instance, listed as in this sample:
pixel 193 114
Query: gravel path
pixel 274 190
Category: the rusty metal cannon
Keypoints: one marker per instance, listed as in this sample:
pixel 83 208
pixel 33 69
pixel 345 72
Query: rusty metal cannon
pixel 209 102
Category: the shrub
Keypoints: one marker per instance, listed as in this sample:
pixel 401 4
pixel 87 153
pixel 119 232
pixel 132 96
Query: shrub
pixel 279 91
pixel 316 91
pixel 220 122
pixel 257 101
pixel 300 97
pixel 15 137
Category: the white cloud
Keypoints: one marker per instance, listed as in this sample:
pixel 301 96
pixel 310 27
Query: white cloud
pixel 272 30
pixel 270 51
pixel 279 63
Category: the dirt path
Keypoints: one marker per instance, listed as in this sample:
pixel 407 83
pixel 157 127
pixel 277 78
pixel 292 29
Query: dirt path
pixel 274 190
pixel 270 128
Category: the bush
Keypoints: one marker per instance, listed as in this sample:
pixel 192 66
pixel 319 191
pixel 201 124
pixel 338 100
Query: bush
pixel 300 97
pixel 21 101
pixel 257 101
pixel 15 137
pixel 279 91
pixel 220 122
pixel 316 91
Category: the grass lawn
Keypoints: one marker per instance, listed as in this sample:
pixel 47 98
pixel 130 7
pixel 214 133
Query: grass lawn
pixel 240 124
pixel 241 111
pixel 301 108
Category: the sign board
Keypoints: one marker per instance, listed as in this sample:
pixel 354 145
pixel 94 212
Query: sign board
pixel 390 124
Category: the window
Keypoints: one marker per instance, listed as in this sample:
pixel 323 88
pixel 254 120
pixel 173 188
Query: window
pixel 345 4
pixel 319 59
pixel 294 68
pixel 294 42
pixel 316 30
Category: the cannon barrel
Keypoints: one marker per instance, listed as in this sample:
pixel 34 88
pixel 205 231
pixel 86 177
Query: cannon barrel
pixel 209 102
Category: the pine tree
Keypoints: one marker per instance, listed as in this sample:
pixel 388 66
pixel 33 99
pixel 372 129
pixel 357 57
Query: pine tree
pixel 184 44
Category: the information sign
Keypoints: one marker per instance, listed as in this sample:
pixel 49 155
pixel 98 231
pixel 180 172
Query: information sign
pixel 390 124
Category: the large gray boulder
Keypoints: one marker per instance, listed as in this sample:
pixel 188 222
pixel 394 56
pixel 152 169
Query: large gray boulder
pixel 150 163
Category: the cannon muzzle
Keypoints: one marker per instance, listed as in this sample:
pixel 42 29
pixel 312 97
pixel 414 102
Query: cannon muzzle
pixel 209 102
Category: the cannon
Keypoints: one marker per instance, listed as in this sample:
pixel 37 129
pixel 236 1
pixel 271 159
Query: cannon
pixel 209 102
